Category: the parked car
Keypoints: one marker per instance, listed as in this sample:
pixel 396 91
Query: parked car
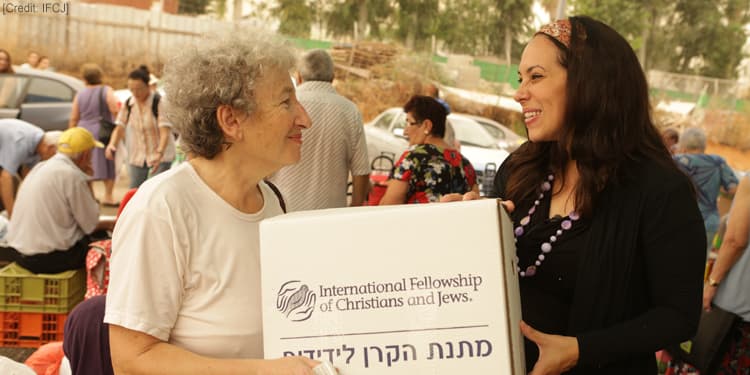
pixel 385 137
pixel 507 139
pixel 39 97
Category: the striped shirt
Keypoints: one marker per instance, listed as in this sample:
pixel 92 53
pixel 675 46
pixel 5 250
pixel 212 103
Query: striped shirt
pixel 142 132
pixel 332 147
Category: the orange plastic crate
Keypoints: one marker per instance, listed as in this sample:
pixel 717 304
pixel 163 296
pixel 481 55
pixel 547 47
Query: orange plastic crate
pixel 31 330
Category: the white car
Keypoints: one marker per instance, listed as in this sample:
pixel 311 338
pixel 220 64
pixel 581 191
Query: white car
pixel 385 137
pixel 507 139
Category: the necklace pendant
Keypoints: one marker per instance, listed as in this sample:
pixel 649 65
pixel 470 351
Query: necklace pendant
pixel 566 224
pixel 530 270
pixel 546 247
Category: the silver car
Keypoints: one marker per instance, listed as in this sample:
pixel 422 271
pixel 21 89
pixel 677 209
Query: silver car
pixel 42 98
pixel 386 140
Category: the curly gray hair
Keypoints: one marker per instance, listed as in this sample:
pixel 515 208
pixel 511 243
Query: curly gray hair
pixel 220 69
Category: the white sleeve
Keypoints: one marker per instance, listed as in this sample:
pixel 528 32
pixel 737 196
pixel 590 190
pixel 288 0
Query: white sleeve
pixel 147 271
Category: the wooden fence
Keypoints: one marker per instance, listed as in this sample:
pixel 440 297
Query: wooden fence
pixel 116 37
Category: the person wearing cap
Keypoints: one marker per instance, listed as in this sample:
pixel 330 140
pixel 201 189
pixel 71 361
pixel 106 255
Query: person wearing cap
pixel 55 209
pixel 22 145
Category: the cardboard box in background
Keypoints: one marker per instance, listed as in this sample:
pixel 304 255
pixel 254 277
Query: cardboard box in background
pixel 411 289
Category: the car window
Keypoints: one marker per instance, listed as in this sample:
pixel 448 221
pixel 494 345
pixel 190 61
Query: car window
pixel 492 129
pixel 384 122
pixel 11 87
pixel 470 133
pixel 43 90
pixel 400 122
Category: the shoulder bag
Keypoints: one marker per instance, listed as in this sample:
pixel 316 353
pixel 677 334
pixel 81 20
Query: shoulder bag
pixel 106 127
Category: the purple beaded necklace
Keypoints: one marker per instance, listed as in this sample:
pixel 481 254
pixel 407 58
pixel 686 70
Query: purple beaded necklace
pixel 546 247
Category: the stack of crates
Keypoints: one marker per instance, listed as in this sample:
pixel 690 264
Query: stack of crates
pixel 33 307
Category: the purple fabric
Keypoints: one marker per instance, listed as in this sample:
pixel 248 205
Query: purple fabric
pixel 89 102
pixel 86 338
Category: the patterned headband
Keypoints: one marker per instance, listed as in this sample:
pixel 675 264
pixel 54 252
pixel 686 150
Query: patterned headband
pixel 560 30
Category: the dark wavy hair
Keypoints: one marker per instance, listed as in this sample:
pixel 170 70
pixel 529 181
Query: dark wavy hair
pixel 607 119
pixel 427 108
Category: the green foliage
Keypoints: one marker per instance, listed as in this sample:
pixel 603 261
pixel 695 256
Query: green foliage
pixel 418 21
pixel 479 26
pixel 708 38
pixel 341 14
pixel 193 6
pixel 219 7
pixel 466 26
pixel 683 36
pixel 295 17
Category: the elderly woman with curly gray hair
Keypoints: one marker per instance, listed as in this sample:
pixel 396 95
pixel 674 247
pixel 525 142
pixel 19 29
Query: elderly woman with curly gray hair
pixel 184 294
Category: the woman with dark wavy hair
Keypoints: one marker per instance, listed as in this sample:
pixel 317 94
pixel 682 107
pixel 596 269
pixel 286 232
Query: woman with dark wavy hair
pixel 609 239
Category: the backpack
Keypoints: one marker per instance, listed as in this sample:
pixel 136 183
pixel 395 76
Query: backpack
pixel 154 106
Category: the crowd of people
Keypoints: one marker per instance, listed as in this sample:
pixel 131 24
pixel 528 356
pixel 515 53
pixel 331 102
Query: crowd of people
pixel 611 227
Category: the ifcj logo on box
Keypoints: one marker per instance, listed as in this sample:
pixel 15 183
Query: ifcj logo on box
pixel 296 301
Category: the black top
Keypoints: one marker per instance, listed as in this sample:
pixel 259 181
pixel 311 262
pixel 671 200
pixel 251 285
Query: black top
pixel 629 279
pixel 549 293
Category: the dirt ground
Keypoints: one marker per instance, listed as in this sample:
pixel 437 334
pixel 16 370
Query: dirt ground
pixel 737 159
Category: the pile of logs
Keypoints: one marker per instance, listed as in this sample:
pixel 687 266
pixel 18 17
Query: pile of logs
pixel 357 58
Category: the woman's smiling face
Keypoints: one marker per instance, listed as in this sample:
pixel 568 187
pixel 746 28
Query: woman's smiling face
pixel 542 92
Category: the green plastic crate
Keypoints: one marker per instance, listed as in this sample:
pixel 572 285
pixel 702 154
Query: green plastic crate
pixel 23 291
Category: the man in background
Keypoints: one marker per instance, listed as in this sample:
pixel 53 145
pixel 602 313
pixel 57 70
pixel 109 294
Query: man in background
pixel 332 148
pixel 709 173
pixel 56 209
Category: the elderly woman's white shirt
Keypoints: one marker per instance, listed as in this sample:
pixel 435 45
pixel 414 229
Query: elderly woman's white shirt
pixel 185 267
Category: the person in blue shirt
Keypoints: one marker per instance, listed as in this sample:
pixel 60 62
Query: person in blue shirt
pixel 709 173
pixel 22 145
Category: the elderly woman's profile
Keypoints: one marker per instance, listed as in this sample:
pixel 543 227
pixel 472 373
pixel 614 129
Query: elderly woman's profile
pixel 184 295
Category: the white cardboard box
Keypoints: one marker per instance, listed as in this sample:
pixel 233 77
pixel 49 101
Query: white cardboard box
pixel 411 289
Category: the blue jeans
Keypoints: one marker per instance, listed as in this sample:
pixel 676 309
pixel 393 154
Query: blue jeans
pixel 139 174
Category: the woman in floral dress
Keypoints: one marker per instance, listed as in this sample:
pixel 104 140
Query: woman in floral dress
pixel 430 168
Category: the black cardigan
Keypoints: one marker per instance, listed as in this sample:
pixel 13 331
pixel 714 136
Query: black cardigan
pixel 640 278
